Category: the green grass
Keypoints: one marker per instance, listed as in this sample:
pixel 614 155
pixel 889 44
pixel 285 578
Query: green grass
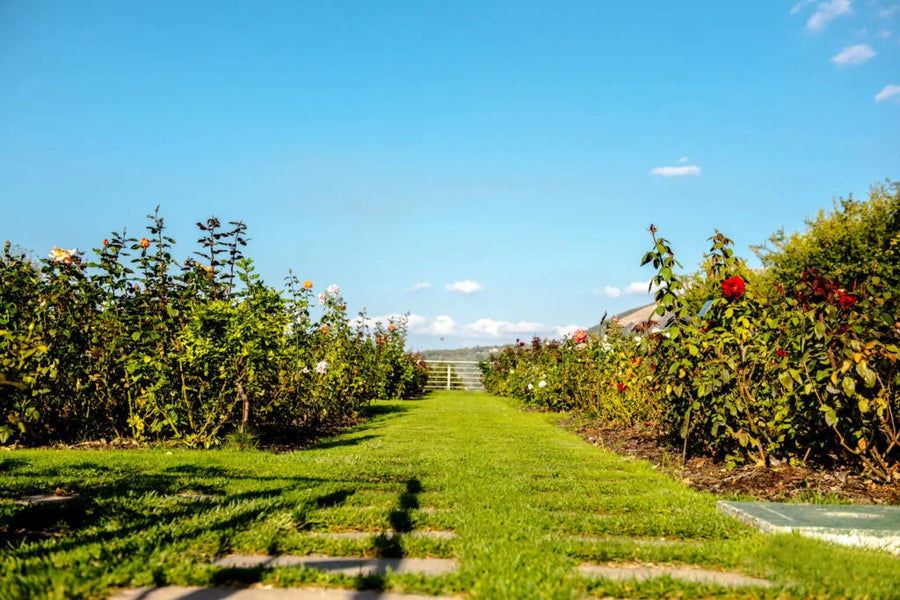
pixel 528 500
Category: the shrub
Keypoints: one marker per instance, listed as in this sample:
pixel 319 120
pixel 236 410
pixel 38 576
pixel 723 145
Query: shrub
pixel 136 344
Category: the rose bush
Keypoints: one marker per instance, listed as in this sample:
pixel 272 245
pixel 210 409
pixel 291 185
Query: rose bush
pixel 133 343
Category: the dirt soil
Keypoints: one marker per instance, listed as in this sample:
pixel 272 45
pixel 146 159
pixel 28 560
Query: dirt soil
pixel 776 484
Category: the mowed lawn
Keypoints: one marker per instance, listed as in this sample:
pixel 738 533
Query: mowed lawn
pixel 528 503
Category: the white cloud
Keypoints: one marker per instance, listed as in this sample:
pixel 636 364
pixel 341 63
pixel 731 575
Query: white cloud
pixel 675 171
pixel 799 6
pixel 884 33
pixel 889 91
pixel 683 159
pixel 826 12
pixel 440 325
pixel 495 329
pixel 417 287
pixel 465 287
pixel 889 12
pixel 854 55
pixel 609 290
pixel 640 287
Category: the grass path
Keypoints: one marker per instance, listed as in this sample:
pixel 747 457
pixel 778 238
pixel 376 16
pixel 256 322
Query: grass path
pixel 527 500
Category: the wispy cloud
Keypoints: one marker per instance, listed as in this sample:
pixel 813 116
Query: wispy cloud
pixel 676 171
pixel 609 290
pixel 888 12
pixel 440 325
pixel 826 12
pixel 683 159
pixel 884 33
pixel 418 287
pixel 634 288
pixel 465 287
pixel 799 6
pixel 890 91
pixel 493 329
pixel 854 55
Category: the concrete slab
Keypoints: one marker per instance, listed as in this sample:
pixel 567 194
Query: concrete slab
pixel 342 565
pixel 361 535
pixel 869 526
pixel 257 593
pixel 689 574
pixel 45 499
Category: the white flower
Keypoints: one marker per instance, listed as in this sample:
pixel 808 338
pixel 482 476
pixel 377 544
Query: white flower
pixel 323 298
pixel 530 386
pixel 333 289
pixel 306 369
pixel 511 371
pixel 637 339
pixel 542 383
pixel 61 255
pixel 321 367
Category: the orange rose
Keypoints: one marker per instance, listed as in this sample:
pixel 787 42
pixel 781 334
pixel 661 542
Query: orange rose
pixel 145 243
pixel 324 329
pixel 307 284
pixel 392 327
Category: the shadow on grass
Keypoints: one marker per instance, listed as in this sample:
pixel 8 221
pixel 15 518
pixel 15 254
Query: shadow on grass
pixel 391 546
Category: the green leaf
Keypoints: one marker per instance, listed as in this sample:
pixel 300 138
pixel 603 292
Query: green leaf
pixel 849 385
pixel 819 329
pixel 867 374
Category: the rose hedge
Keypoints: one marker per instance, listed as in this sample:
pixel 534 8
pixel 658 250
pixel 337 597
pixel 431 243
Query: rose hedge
pixel 796 362
pixel 135 344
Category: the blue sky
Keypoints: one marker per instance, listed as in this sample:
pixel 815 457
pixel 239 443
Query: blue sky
pixel 489 167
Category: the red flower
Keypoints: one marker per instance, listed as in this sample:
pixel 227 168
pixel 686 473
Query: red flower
pixel 145 243
pixel 105 243
pixel 845 301
pixel 781 353
pixel 622 387
pixel 733 288
pixel 580 336
pixel 636 361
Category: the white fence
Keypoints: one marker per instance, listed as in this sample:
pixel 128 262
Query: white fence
pixel 454 375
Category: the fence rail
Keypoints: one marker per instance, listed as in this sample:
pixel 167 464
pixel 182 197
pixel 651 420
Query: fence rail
pixel 454 375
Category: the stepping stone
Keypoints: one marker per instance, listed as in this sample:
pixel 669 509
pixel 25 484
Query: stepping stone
pixel 606 540
pixel 45 499
pixel 340 564
pixel 876 527
pixel 361 535
pixel 689 574
pixel 198 593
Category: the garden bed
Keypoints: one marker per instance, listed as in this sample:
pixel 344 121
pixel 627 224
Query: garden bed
pixel 780 483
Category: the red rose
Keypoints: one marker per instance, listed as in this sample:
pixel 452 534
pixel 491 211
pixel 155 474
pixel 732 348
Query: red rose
pixel 733 288
pixel 622 387
pixel 845 301
pixel 781 353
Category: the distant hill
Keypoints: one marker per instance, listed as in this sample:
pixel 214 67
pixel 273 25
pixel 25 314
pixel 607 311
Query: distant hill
pixel 474 353
pixel 627 320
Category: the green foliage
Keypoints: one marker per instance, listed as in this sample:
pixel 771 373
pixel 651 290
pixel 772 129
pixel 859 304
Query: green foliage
pixel 135 344
pixel 796 362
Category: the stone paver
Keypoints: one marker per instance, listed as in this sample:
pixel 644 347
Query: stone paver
pixel 197 593
pixel 45 499
pixel 361 535
pixel 343 565
pixel 689 574
pixel 869 526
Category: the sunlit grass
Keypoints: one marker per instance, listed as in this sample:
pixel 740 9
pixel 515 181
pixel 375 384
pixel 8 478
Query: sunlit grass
pixel 528 501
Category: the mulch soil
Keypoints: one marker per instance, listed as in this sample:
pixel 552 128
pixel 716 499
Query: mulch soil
pixel 775 484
